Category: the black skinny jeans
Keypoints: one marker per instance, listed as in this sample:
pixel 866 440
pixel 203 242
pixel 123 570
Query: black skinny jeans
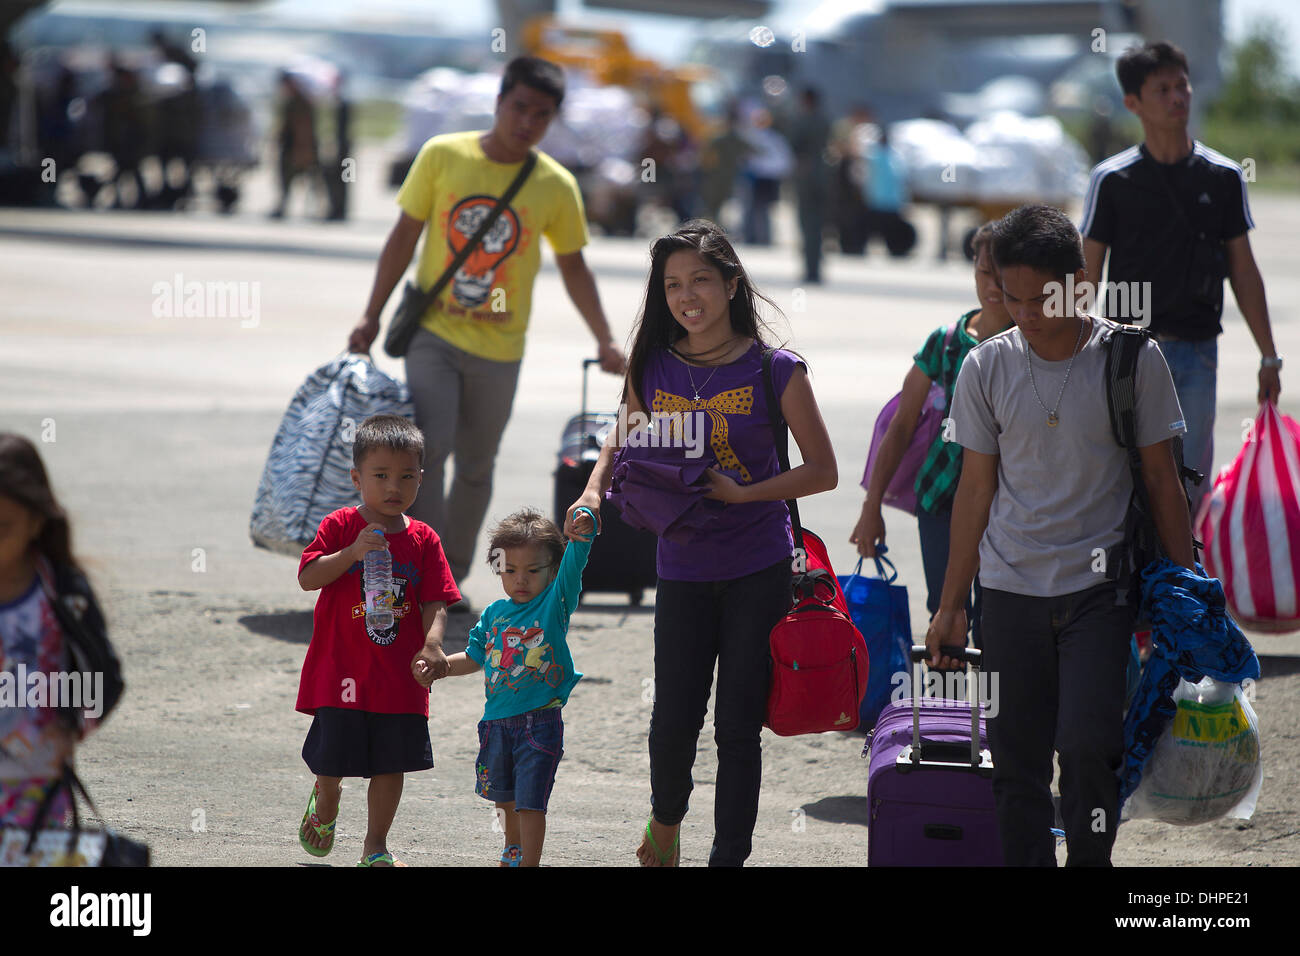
pixel 696 624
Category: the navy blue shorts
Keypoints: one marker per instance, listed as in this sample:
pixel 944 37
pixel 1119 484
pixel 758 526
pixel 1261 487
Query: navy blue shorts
pixel 517 758
pixel 358 743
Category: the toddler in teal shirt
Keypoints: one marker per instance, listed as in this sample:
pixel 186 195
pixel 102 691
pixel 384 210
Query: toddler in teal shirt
pixel 520 645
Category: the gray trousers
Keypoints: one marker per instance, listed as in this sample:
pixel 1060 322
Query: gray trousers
pixel 1061 664
pixel 462 404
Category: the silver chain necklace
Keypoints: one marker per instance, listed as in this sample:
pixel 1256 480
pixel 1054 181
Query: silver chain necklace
pixel 711 374
pixel 702 384
pixel 1052 418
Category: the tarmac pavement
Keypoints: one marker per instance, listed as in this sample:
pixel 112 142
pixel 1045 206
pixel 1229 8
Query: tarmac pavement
pixel 155 429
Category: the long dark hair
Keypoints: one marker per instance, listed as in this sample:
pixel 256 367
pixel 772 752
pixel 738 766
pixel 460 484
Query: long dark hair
pixel 23 478
pixel 656 328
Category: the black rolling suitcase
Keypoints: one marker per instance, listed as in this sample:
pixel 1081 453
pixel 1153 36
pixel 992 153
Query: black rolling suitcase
pixel 622 558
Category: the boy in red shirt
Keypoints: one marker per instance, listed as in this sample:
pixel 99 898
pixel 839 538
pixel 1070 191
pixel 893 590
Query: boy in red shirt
pixel 370 715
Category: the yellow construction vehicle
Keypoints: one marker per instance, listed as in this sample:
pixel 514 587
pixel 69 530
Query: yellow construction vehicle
pixel 606 57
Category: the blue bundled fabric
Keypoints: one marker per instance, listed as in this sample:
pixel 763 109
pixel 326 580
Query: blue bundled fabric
pixel 1192 637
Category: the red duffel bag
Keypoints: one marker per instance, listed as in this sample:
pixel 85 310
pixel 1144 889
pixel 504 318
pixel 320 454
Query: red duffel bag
pixel 1250 524
pixel 819 659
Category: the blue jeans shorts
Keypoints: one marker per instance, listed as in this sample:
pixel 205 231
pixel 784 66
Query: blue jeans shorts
pixel 518 756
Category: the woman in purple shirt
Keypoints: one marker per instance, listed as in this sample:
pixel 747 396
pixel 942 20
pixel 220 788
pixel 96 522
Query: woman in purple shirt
pixel 698 349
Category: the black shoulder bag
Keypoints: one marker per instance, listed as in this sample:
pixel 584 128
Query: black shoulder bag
pixel 415 302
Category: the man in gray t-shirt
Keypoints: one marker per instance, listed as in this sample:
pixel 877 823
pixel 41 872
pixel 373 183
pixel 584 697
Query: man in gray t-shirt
pixel 1042 499
pixel 1063 490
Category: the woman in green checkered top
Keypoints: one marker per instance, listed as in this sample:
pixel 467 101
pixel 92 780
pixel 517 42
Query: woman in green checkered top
pixel 938 361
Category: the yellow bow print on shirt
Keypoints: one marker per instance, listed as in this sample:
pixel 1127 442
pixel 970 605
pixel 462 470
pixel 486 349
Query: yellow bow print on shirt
pixel 738 401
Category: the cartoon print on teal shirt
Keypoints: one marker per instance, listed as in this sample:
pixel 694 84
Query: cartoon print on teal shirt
pixel 519 657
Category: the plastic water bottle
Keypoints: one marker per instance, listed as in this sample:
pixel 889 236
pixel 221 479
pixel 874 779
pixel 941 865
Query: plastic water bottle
pixel 377 579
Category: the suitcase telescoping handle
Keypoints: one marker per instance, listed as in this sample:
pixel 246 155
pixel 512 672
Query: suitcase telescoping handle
pixel 586 364
pixel 972 656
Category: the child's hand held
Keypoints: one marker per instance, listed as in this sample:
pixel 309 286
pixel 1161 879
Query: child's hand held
pixel 578 525
pixel 429 665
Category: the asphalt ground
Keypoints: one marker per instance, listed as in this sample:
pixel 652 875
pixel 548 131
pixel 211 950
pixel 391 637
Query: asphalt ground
pixel 155 430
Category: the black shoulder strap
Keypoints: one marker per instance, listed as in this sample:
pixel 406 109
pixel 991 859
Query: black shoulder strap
pixel 466 250
pixel 781 438
pixel 1125 343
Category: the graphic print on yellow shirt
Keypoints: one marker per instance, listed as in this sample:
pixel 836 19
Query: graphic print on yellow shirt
pixel 452 186
pixel 472 283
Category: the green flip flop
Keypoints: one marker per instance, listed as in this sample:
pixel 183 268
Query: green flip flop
pixel 674 851
pixel 380 857
pixel 322 830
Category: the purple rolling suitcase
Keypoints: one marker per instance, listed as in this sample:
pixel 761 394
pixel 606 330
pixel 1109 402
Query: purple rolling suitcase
pixel 929 781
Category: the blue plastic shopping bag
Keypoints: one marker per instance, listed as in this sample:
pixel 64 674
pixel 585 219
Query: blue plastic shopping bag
pixel 879 610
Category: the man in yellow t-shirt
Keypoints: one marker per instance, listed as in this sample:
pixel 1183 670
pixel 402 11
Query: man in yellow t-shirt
pixel 463 363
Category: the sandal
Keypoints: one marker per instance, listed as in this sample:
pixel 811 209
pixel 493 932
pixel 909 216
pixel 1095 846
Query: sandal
pixel 322 830
pixel 380 857
pixel 674 851
pixel 512 854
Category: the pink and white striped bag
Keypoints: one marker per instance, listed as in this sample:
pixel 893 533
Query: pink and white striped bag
pixel 1250 524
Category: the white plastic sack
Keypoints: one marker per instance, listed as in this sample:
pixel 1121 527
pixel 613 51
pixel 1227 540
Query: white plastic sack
pixel 308 472
pixel 1206 764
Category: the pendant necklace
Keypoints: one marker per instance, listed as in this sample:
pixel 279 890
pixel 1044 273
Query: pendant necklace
pixel 1052 418
pixel 695 390
pixel 702 384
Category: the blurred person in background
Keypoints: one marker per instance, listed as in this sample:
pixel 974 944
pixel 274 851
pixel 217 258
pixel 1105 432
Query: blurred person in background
pixel 125 131
pixel 1173 212
pixel 850 210
pixel 886 194
pixel 299 153
pixel 335 183
pixel 8 98
pixel 721 160
pixel 178 120
pixel 769 164
pixel 667 144
pixel 56 128
pixel 809 134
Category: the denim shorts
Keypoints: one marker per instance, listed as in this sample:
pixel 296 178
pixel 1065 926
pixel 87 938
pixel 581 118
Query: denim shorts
pixel 517 758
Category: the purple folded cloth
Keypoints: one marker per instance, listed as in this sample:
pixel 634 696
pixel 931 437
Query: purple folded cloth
pixel 664 494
